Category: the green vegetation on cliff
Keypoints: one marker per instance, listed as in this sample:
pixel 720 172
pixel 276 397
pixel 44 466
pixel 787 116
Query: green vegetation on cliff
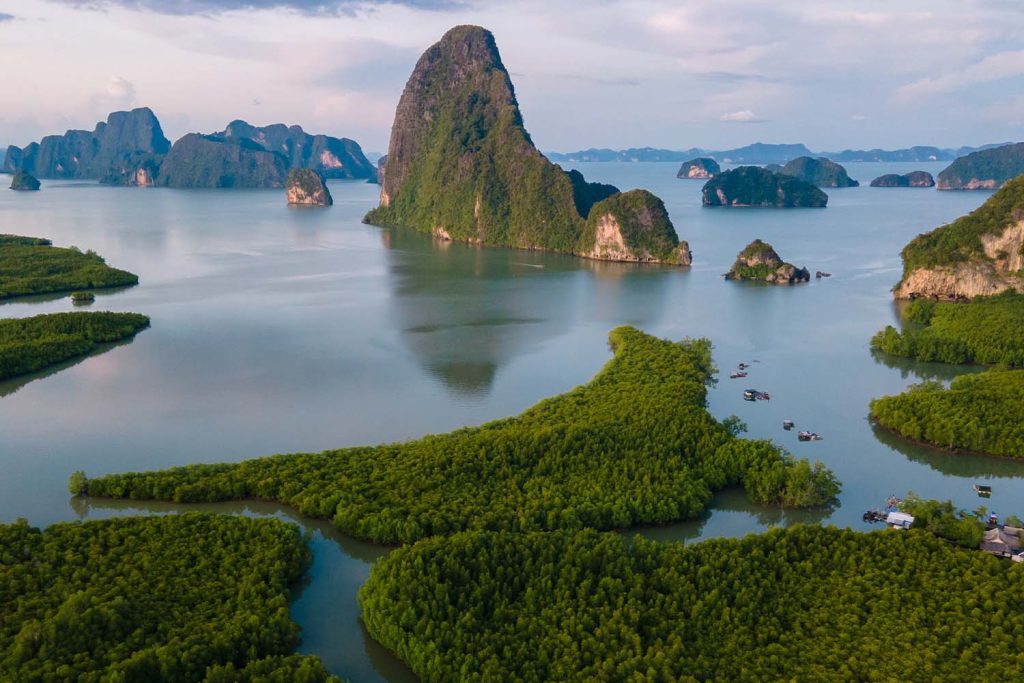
pixel 644 226
pixel 985 169
pixel 176 598
pixel 754 186
pixel 30 265
pixel 821 172
pixel 215 161
pixel 800 604
pixel 987 330
pixel 636 445
pixel 30 344
pixel 983 413
pixel 960 240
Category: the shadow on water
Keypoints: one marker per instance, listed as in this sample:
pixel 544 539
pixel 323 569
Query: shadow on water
pixel 909 368
pixel 465 311
pixel 951 464
pixel 32 299
pixel 10 386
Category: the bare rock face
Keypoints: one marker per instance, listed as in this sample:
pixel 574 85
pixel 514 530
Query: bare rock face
pixel 980 254
pixel 759 261
pixel 306 187
pixel 702 168
pixel 634 227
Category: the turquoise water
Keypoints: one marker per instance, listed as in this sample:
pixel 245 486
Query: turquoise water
pixel 278 329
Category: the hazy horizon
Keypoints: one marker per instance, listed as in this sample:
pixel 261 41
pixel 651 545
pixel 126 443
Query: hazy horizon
pixel 620 74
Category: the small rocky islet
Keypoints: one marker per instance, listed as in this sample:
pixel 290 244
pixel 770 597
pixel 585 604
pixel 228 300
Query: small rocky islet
pixel 820 172
pixel 760 262
pixel 306 187
pixel 24 182
pixel 701 168
pixel 912 179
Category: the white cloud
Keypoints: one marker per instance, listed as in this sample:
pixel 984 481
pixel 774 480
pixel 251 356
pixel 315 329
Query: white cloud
pixel 858 117
pixel 741 116
pixel 992 68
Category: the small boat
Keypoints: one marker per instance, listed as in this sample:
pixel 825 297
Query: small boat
pixel 787 425
pixel 808 436
pixel 751 394
pixel 821 274
pixel 737 375
pixel 743 366
pixel 982 490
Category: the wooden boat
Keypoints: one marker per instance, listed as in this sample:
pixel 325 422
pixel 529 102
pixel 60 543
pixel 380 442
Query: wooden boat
pixel 737 375
pixel 982 490
pixel 787 425
pixel 808 436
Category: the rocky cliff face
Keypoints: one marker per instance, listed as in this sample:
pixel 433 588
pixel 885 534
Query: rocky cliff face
pixel 461 166
pixel 912 179
pixel 702 168
pixel 331 157
pixel 307 187
pixel 987 169
pixel 753 186
pixel 759 261
pixel 213 161
pixel 92 155
pixel 979 254
pixel 24 182
pixel 821 172
pixel 633 226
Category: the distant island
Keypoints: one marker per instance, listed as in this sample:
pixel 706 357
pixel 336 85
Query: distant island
pixel 976 255
pixel 759 261
pixel 754 186
pixel 38 342
pixel 763 153
pixel 307 187
pixel 130 149
pixel 462 167
pixel 912 179
pixel 32 265
pixel 24 181
pixel 821 172
pixel 985 170
pixel 701 168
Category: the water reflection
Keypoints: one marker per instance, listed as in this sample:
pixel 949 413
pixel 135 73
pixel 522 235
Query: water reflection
pixel 911 369
pixel 466 311
pixel 10 386
pixel 951 464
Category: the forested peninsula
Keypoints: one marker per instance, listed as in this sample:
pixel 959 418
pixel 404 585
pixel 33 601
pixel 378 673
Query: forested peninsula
pixel 35 343
pixel 32 265
pixel 636 445
pixel 982 413
pixel 177 598
pixel 804 604
pixel 986 330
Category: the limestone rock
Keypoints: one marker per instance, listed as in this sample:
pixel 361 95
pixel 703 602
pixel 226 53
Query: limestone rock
pixel 702 168
pixel 307 187
pixel 24 181
pixel 759 261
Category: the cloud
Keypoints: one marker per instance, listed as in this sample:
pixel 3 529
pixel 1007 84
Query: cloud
pixel 4 16
pixel 994 67
pixel 741 116
pixel 858 117
pixel 185 7
pixel 118 94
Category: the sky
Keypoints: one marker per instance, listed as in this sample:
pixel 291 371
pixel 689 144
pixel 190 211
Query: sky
pixel 596 73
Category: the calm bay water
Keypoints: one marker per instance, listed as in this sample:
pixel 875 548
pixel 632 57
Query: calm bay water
pixel 278 330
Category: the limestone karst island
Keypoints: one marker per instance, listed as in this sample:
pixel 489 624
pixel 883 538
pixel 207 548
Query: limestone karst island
pixel 668 342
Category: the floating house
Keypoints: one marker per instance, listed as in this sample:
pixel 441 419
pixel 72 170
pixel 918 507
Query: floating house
pixel 899 520
pixel 1002 541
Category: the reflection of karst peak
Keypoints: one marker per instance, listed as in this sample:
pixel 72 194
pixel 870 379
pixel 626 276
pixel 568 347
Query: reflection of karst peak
pixel 467 311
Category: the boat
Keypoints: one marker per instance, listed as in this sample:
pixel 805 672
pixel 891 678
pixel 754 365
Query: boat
pixel 751 395
pixel 787 425
pixel 982 490
pixel 808 436
pixel 743 366
pixel 737 375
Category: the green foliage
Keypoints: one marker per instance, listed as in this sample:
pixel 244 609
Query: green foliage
pixel 754 186
pixel 176 598
pixel 82 297
pixel 982 413
pixel 78 483
pixel 461 161
pixel 643 222
pixel 801 604
pixel 30 265
pixel 987 330
pixel 821 172
pixel 585 195
pixel 998 164
pixel 210 161
pixel 636 445
pixel 944 520
pixel 960 240
pixel 30 344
